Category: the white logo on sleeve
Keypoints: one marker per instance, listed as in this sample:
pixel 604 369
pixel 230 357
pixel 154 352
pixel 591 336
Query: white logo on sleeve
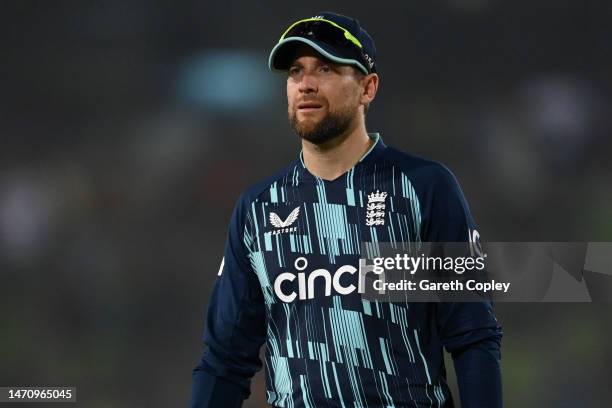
pixel 221 267
pixel 475 245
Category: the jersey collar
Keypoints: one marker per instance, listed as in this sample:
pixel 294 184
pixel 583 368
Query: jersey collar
pixel 371 155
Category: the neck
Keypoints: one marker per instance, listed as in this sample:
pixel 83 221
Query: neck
pixel 335 157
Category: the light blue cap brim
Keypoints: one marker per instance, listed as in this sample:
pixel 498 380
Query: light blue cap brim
pixel 345 61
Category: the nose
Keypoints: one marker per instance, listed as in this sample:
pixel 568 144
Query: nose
pixel 308 83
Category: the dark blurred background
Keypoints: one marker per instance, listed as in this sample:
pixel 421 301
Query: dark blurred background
pixel 129 129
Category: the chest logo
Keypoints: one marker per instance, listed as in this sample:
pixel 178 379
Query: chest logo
pixel 375 214
pixel 276 221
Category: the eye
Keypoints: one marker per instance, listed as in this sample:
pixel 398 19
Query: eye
pixel 325 68
pixel 293 71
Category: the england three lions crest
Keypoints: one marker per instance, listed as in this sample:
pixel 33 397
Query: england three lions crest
pixel 375 214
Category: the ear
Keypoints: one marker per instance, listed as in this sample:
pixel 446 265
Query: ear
pixel 370 87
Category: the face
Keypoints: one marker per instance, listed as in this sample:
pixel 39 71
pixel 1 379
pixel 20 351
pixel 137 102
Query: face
pixel 323 97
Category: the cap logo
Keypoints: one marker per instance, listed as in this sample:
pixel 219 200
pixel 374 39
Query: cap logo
pixel 369 59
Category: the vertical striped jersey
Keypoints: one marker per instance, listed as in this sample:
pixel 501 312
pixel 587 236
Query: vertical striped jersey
pixel 288 280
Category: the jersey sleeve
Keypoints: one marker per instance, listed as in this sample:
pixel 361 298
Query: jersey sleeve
pixel 234 329
pixel 468 330
pixel 447 216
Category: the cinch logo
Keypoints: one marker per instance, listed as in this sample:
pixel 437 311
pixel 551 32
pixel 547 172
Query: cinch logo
pixel 306 286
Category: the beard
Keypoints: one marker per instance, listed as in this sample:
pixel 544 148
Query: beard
pixel 334 124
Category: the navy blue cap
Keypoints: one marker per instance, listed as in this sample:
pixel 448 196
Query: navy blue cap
pixel 363 58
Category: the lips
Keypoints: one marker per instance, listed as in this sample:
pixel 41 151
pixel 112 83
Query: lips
pixel 307 106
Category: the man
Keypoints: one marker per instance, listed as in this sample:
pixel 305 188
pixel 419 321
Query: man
pixel 288 278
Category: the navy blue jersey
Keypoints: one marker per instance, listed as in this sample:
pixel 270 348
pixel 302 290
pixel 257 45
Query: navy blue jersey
pixel 288 280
